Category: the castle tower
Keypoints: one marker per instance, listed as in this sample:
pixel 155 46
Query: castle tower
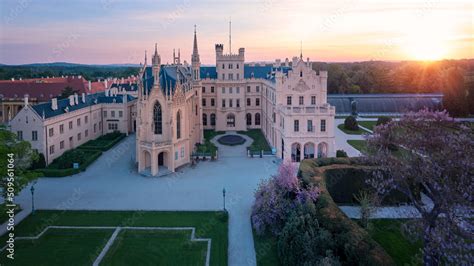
pixel 156 63
pixel 195 61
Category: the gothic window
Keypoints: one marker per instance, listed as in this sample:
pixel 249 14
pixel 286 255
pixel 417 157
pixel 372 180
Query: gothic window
pixel 178 125
pixel 213 119
pixel 249 119
pixel 157 118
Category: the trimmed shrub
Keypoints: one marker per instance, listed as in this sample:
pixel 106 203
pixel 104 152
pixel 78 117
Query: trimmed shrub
pixel 39 163
pixel 62 166
pixel 302 241
pixel 382 120
pixel 103 143
pixel 353 245
pixel 341 153
pixel 350 123
pixel 344 183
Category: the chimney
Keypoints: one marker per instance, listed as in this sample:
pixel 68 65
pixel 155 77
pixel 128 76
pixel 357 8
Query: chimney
pixel 26 99
pixel 105 83
pixel 90 85
pixel 13 79
pixel 84 97
pixel 76 98
pixel 54 104
pixel 71 100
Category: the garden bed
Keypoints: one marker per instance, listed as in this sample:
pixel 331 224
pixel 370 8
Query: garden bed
pixel 63 165
pixel 344 183
pixel 259 143
pixel 208 148
pixel 82 246
pixel 360 131
pixel 231 140
pixel 103 143
pixel 358 247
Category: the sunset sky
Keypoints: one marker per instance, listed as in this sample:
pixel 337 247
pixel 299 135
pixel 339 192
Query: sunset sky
pixel 119 31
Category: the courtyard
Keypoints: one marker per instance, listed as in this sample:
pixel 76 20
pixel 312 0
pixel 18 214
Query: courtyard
pixel 112 183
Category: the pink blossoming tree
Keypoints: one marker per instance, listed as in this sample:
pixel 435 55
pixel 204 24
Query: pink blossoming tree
pixel 277 196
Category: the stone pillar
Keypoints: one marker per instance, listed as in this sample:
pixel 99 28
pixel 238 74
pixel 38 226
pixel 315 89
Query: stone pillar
pixel 154 163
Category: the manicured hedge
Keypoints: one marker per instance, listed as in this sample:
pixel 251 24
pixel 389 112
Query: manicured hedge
pixel 54 171
pixel 344 183
pixel 355 246
pixel 103 143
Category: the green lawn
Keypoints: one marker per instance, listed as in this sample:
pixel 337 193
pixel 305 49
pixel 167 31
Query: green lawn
pixel 368 124
pixel 351 132
pixel 360 145
pixel 80 247
pixel 208 146
pixel 266 250
pixel 388 233
pixel 259 141
pixel 165 247
pixel 3 212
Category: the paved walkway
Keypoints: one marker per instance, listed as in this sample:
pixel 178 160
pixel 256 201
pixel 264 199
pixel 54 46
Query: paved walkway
pixel 341 140
pixel 112 183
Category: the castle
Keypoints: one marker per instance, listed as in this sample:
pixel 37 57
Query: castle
pixel 176 102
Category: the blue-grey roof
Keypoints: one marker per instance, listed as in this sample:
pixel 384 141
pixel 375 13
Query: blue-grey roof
pixel 257 71
pixel 91 99
pixel 126 86
pixel 168 76
pixel 208 72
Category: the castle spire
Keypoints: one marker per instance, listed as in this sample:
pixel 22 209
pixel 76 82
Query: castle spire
pixel 195 56
pixel 301 50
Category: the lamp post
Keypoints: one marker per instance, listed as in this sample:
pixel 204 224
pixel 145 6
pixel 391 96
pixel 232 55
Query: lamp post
pixel 223 196
pixel 32 199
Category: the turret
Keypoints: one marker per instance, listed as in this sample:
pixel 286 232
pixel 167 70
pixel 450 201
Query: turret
pixel 156 63
pixel 219 49
pixel 195 61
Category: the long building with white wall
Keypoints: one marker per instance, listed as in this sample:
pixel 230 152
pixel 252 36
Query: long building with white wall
pixel 60 125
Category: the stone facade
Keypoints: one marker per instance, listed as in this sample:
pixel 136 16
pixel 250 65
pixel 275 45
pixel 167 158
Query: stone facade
pixel 286 100
pixel 60 125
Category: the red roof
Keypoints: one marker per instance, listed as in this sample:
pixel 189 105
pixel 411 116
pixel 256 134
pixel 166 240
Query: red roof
pixel 41 89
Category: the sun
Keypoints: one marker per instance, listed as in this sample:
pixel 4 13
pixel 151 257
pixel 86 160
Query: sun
pixel 424 44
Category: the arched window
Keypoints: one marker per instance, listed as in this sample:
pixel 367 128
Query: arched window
pixel 196 109
pixel 257 119
pixel 213 119
pixel 178 125
pixel 204 119
pixel 157 118
pixel 249 119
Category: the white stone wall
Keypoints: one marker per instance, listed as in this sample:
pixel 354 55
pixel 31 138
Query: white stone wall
pixel 55 136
